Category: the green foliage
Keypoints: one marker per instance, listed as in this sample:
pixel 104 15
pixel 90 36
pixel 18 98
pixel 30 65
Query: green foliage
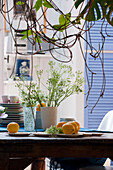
pixel 37 38
pixel 38 5
pixel 92 10
pixel 30 92
pixel 47 4
pixel 64 21
pixel 28 33
pixel 53 130
pixel 61 83
pixel 2 109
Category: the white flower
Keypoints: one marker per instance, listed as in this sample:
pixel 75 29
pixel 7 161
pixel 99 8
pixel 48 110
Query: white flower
pixel 2 112
pixel 2 108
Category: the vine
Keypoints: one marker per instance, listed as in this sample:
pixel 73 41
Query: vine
pixel 61 39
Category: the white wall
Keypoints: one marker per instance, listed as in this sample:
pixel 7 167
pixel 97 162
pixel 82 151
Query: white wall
pixel 1 53
pixel 74 105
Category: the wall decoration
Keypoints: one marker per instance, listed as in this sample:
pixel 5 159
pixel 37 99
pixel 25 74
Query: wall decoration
pixel 19 9
pixel 23 68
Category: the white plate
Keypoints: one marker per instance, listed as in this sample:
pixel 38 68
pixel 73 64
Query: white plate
pixel 87 134
pixel 70 135
pixel 19 134
pixel 97 134
pixel 41 134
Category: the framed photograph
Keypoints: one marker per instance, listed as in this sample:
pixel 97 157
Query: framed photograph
pixel 19 9
pixel 23 68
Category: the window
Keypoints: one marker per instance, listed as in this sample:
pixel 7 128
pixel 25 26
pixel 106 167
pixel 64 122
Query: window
pixel 106 103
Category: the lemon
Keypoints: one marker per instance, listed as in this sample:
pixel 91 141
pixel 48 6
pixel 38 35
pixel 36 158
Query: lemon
pixel 39 107
pixel 76 125
pixel 13 127
pixel 68 128
pixel 60 124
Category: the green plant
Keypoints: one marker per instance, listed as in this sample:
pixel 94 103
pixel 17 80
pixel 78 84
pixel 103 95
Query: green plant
pixel 30 92
pixel 61 83
pixel 60 35
pixel 2 110
pixel 95 10
pixel 53 130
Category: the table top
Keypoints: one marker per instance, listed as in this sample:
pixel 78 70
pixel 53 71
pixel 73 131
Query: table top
pixel 34 147
pixel 93 146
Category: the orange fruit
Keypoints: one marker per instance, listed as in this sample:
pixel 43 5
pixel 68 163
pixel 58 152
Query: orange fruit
pixel 75 124
pixel 68 128
pixel 78 125
pixel 60 124
pixel 38 108
pixel 13 127
pixel 43 104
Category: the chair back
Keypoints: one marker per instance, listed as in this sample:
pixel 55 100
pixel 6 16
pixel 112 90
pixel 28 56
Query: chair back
pixel 107 122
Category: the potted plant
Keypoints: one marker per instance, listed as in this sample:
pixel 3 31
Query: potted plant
pixel 61 83
pixel 30 94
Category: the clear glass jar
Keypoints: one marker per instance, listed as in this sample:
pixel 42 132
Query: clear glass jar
pixel 29 123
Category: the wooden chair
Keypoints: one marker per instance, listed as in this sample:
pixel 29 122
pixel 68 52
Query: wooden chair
pixel 38 164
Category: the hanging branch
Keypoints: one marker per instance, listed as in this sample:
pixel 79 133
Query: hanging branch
pixel 61 37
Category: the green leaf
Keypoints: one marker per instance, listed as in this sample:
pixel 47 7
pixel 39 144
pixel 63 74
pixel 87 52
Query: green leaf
pixel 53 40
pixel 48 4
pixel 78 2
pixel 37 5
pixel 108 16
pixel 68 17
pixel 19 3
pixel 62 19
pixel 76 21
pixel 91 11
pixel 98 11
pixel 90 15
pixel 37 39
pixel 59 27
pixel 26 34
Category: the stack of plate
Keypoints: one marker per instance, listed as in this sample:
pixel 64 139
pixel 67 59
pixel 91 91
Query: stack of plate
pixel 15 114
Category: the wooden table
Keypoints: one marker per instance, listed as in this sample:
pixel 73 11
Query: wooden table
pixel 30 148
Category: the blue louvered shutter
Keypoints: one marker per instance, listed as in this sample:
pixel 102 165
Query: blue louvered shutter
pixel 105 104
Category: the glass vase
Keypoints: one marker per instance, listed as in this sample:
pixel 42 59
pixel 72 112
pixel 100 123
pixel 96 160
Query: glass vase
pixel 29 123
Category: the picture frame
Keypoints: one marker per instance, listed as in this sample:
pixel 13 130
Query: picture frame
pixel 19 10
pixel 23 68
